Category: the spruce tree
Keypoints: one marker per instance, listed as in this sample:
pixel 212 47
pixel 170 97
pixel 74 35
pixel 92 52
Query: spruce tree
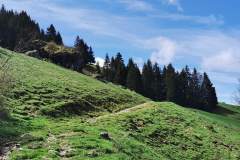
pixel 58 39
pixel 171 83
pixel 147 78
pixel 120 76
pixel 164 87
pixel 42 35
pixel 98 68
pixel 208 94
pixel 134 81
pixel 106 69
pixel 181 88
pixel 84 51
pixel 90 56
pixel 194 89
pixel 51 33
pixel 157 83
pixel 17 30
pixel 112 69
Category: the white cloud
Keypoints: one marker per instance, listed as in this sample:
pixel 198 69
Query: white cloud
pixel 94 21
pixel 100 61
pixel 137 5
pixel 163 49
pixel 223 78
pixel 214 51
pixel 205 20
pixel 175 3
pixel 225 61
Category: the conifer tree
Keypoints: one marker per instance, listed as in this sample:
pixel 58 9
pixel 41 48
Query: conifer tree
pixel 182 88
pixel 90 56
pixel 112 69
pixel 194 89
pixel 164 87
pixel 208 94
pixel 84 51
pixel 17 30
pixel 42 35
pixel 171 83
pixel 120 76
pixel 147 78
pixel 58 39
pixel 157 83
pixel 106 69
pixel 51 33
pixel 98 68
pixel 134 81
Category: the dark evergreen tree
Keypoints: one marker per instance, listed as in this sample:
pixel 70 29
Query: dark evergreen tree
pixel 51 34
pixel 208 94
pixel 134 80
pixel 112 69
pixel 59 40
pixel 18 30
pixel 164 87
pixel 106 69
pixel 84 51
pixel 42 35
pixel 157 83
pixel 147 78
pixel 182 87
pixel 90 56
pixel 171 83
pixel 98 68
pixel 194 90
pixel 120 75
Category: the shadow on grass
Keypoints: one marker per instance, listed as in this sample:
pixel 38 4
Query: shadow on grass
pixel 223 111
pixel 10 133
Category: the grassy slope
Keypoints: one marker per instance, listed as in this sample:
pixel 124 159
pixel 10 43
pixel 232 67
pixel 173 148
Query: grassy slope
pixel 148 131
pixel 43 87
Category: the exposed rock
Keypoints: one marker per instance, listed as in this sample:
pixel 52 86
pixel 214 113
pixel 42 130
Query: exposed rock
pixel 33 53
pixel 105 135
pixel 30 45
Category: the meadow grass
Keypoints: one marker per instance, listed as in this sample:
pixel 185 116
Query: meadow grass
pixel 59 114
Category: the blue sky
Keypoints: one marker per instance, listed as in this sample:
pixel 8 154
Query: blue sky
pixel 200 33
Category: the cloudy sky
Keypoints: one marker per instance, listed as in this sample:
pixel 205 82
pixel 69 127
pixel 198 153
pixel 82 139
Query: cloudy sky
pixel 200 33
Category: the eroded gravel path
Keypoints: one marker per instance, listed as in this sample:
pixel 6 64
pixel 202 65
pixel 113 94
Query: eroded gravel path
pixel 93 120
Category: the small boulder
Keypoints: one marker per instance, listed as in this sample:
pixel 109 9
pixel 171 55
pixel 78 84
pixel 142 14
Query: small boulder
pixel 105 135
pixel 17 145
pixel 33 53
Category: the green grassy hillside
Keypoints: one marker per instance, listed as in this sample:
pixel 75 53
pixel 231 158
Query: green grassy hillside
pixel 45 88
pixel 60 114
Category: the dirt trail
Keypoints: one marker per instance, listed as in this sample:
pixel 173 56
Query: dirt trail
pixel 93 120
pixel 5 151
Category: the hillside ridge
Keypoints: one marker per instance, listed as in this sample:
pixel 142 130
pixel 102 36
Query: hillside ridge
pixel 60 114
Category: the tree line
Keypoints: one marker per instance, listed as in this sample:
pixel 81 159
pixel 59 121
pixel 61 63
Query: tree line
pixel 80 55
pixel 185 87
pixel 19 32
pixel 18 29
